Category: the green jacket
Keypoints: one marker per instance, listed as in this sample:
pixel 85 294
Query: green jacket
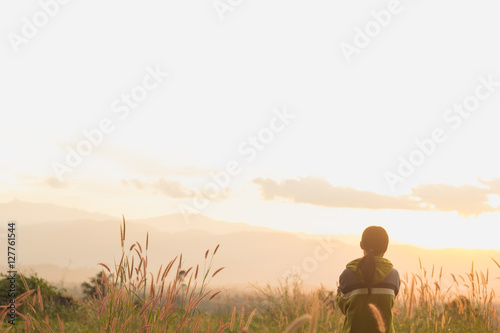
pixel 352 297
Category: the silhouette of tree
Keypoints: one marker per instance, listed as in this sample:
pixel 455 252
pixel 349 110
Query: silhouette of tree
pixel 96 283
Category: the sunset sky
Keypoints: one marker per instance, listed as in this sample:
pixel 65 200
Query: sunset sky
pixel 319 117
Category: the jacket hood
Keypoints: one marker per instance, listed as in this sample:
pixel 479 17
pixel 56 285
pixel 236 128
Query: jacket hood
pixel 383 268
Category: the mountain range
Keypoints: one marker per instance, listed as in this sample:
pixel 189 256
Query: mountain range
pixel 64 245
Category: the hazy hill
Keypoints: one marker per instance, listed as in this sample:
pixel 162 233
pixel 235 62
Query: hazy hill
pixel 178 222
pixel 249 256
pixel 30 213
pixel 68 251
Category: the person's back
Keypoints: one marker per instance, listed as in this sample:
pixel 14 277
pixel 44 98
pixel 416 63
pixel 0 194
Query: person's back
pixel 368 280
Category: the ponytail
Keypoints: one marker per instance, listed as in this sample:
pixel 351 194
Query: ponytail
pixel 367 265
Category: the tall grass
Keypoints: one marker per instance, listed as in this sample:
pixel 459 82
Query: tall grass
pixel 173 299
pixel 133 299
pixel 427 302
pixel 285 307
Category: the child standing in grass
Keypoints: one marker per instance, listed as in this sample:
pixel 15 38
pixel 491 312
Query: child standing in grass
pixel 368 286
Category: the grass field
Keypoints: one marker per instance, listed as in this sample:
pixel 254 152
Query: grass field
pixel 130 298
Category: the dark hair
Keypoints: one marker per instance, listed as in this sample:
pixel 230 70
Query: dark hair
pixel 374 241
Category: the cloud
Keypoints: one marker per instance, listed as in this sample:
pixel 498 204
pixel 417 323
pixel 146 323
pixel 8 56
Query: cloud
pixel 175 189
pixel 144 165
pixel 55 183
pixel 318 191
pixel 493 185
pixel 172 189
pixel 467 200
pixel 138 184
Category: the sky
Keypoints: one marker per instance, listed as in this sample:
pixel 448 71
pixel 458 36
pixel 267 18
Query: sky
pixel 322 117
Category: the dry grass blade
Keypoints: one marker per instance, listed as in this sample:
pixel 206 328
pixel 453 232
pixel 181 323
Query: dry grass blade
pixel 61 324
pixel 297 323
pixel 39 296
pixel 233 318
pixel 120 265
pixel 222 328
pixel 113 324
pixel 215 251
pixel 3 313
pixel 200 299
pixel 125 324
pixel 378 317
pixel 23 296
pixel 250 318
pixel 196 324
pixel 187 272
pixel 146 327
pixel 32 308
pixel 152 286
pixel 24 283
pixel 217 271
pixel 242 316
pixel 28 325
pixel 496 262
pixel 410 299
pixel 189 285
pixel 105 266
pixel 167 269
pixel 159 272
pixel 48 327
pixel 313 327
pixel 124 227
pixel 213 296
pixel 183 323
pixel 35 323
pixel 25 318
pixel 105 282
pixel 121 235
pixel 131 269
